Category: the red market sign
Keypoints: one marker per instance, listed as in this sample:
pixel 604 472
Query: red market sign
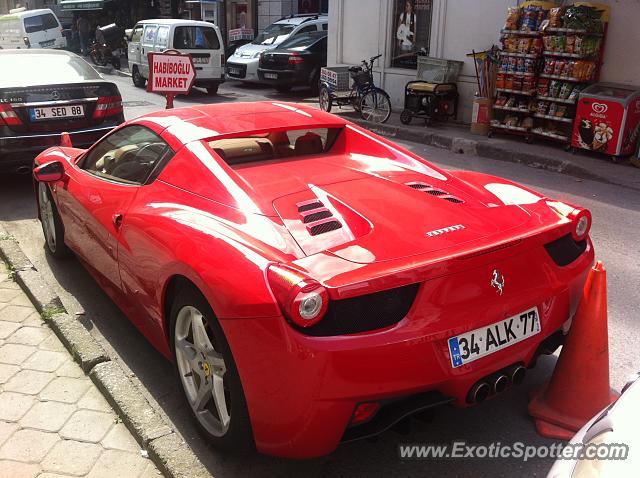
pixel 170 74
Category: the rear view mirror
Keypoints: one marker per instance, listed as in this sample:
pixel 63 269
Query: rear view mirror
pixel 49 172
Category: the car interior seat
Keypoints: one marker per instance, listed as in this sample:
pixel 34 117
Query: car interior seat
pixel 309 143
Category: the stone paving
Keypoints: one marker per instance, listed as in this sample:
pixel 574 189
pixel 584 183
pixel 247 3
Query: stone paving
pixel 54 423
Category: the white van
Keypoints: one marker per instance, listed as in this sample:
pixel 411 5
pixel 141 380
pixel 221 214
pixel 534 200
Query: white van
pixel 31 29
pixel 201 39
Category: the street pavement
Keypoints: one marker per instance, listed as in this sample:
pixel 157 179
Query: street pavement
pixel 504 419
pixel 54 422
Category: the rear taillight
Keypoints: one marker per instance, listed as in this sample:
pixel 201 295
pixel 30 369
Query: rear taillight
pixel 108 106
pixel 26 42
pixel 8 116
pixel 581 223
pixel 580 218
pixel 295 59
pixel 303 301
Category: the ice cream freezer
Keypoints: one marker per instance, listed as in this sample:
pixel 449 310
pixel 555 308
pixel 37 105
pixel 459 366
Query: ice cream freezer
pixel 607 119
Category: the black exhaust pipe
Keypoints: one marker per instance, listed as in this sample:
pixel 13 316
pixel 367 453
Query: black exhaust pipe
pixel 500 383
pixel 479 392
pixel 517 374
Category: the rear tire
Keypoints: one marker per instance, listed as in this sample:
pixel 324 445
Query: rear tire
pixel 212 90
pixel 315 84
pixel 205 368
pixel 138 79
pixel 324 99
pixel 51 223
pixel 375 106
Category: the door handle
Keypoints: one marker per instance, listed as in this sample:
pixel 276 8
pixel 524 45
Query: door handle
pixel 117 220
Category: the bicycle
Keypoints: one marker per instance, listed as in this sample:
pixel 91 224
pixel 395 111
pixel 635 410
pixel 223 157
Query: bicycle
pixel 372 102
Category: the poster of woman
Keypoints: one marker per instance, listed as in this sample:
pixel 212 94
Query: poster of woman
pixel 412 27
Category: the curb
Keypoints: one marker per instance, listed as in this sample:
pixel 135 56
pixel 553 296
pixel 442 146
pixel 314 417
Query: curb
pixel 110 70
pixel 484 150
pixel 167 451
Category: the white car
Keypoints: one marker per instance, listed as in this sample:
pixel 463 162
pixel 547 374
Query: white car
pixel 615 427
pixel 31 29
pixel 243 64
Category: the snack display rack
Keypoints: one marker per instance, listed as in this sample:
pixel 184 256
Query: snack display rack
pixel 572 59
pixel 543 67
pixel 517 75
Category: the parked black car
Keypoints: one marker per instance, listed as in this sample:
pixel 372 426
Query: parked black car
pixel 48 92
pixel 296 62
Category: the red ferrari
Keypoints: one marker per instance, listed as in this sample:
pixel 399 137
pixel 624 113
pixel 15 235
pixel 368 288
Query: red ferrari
pixel 314 283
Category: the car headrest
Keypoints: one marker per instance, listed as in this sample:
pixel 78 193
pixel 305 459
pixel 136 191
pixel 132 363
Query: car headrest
pixel 309 143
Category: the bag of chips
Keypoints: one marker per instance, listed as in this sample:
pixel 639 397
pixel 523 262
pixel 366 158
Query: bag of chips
pixel 554 88
pixel 555 17
pixel 543 87
pixel 513 17
pixel 565 90
pixel 569 46
pixel 558 68
pixel 542 107
pixel 549 66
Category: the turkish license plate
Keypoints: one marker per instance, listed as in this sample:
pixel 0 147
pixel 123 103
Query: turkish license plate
pixel 56 112
pixel 271 76
pixel 473 345
pixel 234 71
pixel 200 60
pixel 48 43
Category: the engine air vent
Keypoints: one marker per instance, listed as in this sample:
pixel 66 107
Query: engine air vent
pixel 316 216
pixel 453 199
pixel 324 227
pixel 418 186
pixel 426 188
pixel 309 205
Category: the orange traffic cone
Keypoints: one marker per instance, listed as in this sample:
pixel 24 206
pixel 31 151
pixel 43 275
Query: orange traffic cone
pixel 579 387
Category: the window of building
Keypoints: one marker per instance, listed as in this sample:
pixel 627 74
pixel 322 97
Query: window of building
pixel 411 31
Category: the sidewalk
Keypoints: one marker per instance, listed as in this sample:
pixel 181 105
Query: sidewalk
pixel 541 155
pixel 54 423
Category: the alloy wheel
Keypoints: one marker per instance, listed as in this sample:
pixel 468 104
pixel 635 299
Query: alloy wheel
pixel 47 217
pixel 202 370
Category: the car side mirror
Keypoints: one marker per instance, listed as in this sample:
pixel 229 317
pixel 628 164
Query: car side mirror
pixel 49 172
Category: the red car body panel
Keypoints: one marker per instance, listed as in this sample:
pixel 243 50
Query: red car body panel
pixel 221 227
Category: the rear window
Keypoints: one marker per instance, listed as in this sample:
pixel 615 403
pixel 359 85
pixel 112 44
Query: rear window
pixel 59 68
pixel 195 38
pixel 301 42
pixel 273 34
pixel 276 145
pixel 39 23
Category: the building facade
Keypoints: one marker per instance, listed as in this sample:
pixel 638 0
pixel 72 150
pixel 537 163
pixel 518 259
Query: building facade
pixel 451 29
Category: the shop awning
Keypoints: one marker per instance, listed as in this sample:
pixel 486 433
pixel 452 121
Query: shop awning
pixel 83 5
